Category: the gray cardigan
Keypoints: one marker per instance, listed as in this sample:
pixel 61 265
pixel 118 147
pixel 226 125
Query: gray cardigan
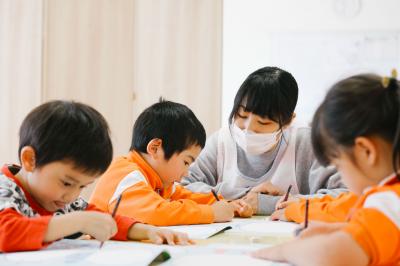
pixel 313 180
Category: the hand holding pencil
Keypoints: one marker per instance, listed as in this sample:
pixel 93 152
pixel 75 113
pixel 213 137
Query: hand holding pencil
pixel 287 199
pixel 113 214
pixel 223 210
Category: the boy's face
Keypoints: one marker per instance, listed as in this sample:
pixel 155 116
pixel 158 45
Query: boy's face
pixel 177 166
pixel 56 184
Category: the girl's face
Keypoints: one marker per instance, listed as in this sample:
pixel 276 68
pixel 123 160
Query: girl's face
pixel 255 123
pixel 364 165
pixel 352 175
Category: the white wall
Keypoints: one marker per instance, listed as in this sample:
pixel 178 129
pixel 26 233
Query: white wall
pixel 20 69
pixel 317 41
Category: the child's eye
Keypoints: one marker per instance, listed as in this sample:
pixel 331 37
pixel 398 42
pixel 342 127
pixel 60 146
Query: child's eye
pixel 264 123
pixel 241 116
pixel 82 187
pixel 66 184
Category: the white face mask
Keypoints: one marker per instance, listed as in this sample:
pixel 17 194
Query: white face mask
pixel 254 143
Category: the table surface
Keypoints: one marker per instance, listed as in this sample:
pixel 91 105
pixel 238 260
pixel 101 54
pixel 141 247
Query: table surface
pixel 228 246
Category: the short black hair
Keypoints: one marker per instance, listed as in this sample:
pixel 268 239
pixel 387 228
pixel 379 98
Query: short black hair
pixel 174 123
pixel 356 106
pixel 68 131
pixel 268 92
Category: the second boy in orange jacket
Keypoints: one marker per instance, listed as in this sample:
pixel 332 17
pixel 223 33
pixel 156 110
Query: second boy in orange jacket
pixel 167 137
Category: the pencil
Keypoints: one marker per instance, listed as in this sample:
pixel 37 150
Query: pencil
pixel 298 230
pixel 113 214
pixel 287 193
pixel 306 215
pixel 215 194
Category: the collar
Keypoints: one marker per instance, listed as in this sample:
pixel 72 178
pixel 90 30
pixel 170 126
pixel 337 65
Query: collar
pixel 152 176
pixel 389 180
pixel 10 170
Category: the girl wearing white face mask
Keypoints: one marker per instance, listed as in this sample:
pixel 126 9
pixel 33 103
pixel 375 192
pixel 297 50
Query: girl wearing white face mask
pixel 261 152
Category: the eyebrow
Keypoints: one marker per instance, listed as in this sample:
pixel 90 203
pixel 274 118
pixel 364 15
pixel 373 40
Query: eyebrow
pixel 71 178
pixel 262 118
pixel 76 181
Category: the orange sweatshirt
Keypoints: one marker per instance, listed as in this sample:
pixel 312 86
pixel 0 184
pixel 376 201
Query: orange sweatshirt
pixel 375 223
pixel 327 208
pixel 144 198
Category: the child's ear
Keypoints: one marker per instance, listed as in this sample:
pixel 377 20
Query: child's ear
pixel 365 150
pixel 154 148
pixel 28 158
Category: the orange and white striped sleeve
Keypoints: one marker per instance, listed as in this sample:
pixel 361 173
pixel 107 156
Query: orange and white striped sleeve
pixel 326 209
pixel 376 227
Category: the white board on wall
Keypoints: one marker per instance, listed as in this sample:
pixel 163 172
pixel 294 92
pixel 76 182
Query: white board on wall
pixel 317 60
pixel 319 41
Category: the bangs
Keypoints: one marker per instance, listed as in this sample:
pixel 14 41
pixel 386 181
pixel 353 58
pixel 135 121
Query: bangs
pixel 273 103
pixel 267 106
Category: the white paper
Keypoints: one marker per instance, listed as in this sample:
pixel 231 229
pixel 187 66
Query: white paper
pixel 201 231
pixel 87 253
pixel 266 227
pixel 221 259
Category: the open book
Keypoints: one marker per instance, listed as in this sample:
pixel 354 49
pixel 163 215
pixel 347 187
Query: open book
pixel 88 253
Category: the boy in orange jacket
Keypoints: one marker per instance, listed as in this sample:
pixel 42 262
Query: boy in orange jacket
pixel 167 138
pixel 63 147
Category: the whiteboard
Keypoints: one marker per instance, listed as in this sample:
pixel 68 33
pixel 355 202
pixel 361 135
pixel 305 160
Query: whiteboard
pixel 319 59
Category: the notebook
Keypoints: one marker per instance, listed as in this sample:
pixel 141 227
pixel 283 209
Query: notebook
pixel 88 253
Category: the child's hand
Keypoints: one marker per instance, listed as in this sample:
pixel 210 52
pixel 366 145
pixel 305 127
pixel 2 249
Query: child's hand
pixel 160 236
pixel 281 204
pixel 267 188
pixel 100 226
pixel 252 199
pixel 223 211
pixel 242 209
pixel 271 253
pixel 156 235
pixel 279 215
pixel 317 228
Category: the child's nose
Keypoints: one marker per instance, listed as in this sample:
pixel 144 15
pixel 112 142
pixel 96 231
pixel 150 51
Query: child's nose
pixel 69 197
pixel 186 172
